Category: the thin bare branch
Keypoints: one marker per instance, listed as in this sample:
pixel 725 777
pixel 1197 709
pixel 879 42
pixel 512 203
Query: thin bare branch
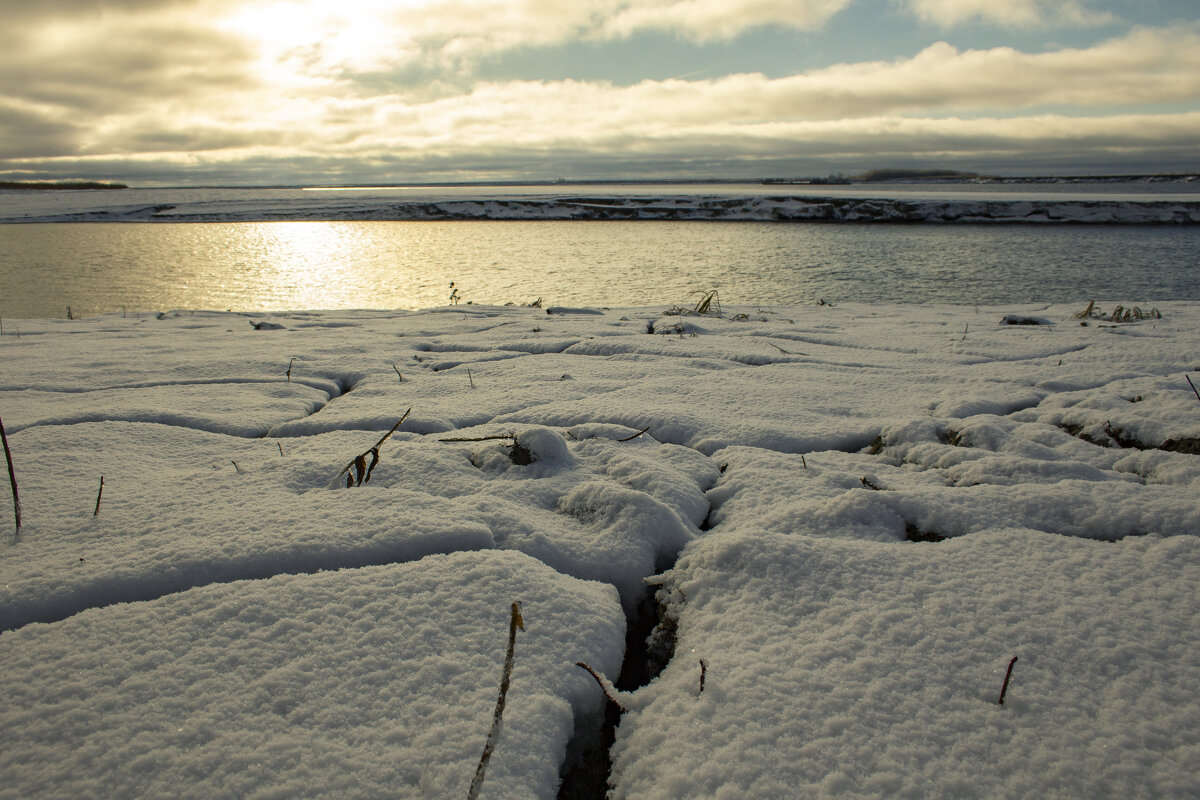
pixel 634 436
pixel 605 685
pixel 480 438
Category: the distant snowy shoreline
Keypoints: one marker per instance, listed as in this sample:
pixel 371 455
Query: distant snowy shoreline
pixel 757 208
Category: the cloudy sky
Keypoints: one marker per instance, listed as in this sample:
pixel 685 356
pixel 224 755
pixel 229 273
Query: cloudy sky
pixel 390 91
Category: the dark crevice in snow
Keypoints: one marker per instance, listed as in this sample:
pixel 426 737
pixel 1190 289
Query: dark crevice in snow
pixel 1186 444
pixel 649 647
pixel 343 386
pixel 584 774
pixel 1079 433
pixel 649 643
pixel 650 635
pixel 1189 445
pixel 914 534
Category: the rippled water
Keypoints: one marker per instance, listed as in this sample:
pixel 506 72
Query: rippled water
pixel 97 267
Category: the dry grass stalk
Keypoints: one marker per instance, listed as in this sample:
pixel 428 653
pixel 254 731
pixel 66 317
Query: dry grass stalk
pixel 1007 678
pixel 359 462
pixel 99 494
pixel 785 352
pixel 706 301
pixel 1122 314
pixel 12 478
pixel 515 623
pixel 1119 314
pixel 289 370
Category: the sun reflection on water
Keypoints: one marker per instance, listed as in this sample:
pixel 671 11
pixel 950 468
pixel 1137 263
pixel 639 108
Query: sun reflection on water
pixel 299 264
pixel 280 266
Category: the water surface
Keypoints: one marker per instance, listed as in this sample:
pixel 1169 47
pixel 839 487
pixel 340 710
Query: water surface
pixel 99 267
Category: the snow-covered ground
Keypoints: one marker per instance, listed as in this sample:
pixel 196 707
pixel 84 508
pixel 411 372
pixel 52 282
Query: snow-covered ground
pixel 852 519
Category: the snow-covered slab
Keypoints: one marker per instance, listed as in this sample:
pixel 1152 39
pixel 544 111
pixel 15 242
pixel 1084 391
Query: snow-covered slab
pixel 362 683
pixel 183 508
pixel 1159 412
pixel 943 477
pixel 789 407
pixel 143 350
pixel 460 389
pixel 838 668
pixel 856 495
pixel 241 409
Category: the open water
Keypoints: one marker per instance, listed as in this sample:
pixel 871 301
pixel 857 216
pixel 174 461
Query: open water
pixel 96 267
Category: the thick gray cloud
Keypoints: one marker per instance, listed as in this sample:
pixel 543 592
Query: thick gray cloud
pixel 211 89
pixel 123 68
pixel 26 133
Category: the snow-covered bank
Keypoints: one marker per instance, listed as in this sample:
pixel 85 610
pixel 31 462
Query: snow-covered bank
pixel 856 516
pixel 762 208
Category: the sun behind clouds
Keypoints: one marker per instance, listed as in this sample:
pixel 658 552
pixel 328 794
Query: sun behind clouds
pixel 323 38
pixel 352 90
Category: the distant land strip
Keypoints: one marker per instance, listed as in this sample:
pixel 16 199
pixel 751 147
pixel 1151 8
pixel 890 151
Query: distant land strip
pixel 22 186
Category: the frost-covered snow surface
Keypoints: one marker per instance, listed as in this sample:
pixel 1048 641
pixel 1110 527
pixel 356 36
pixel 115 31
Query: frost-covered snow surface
pixel 852 517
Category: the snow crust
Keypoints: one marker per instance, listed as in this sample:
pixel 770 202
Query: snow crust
pixel 855 516
pixel 862 669
pixel 378 683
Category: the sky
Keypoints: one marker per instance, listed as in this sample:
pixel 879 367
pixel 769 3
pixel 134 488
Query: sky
pixel 334 92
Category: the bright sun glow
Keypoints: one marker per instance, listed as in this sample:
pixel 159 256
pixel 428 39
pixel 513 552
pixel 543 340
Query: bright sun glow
pixel 319 38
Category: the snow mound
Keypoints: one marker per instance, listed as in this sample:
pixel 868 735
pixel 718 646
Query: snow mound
pixel 836 668
pixel 360 683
